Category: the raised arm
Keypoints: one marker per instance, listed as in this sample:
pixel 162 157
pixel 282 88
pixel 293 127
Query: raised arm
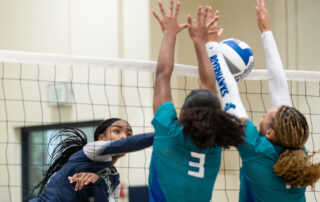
pixel 228 87
pixel 278 86
pixel 104 150
pixel 170 28
pixel 199 31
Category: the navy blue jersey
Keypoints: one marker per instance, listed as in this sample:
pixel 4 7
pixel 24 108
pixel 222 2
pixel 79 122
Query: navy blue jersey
pixel 95 157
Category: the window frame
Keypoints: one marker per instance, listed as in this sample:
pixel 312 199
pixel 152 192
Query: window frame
pixel 25 150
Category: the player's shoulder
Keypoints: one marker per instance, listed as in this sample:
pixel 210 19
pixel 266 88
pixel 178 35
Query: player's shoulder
pixel 164 109
pixel 78 156
pixel 249 125
pixel 256 144
pixel 165 119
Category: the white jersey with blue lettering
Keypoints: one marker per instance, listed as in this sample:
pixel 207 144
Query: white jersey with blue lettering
pixel 258 182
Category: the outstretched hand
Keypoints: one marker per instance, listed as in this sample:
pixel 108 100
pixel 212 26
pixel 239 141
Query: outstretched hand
pixel 262 16
pixel 200 29
pixel 169 22
pixel 83 179
pixel 215 34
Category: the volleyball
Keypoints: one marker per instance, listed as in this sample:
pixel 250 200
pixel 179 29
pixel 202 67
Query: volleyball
pixel 238 56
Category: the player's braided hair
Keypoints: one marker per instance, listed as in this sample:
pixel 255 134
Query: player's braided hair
pixel 291 132
pixel 207 124
pixel 71 141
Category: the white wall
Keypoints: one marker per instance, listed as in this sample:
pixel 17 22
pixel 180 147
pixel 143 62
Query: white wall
pixel 34 25
pixel 92 28
pixel 126 29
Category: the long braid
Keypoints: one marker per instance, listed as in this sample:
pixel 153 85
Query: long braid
pixel 291 132
pixel 73 140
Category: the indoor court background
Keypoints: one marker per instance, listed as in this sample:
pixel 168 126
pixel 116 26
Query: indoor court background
pixel 126 29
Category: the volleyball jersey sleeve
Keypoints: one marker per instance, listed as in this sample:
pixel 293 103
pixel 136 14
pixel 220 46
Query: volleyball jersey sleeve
pixel 165 119
pixel 278 86
pixel 255 143
pixel 104 150
pixel 228 87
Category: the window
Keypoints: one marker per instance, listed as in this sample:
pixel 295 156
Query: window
pixel 36 151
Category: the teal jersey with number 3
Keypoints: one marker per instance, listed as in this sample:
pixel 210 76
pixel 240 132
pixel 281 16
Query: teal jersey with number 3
pixel 178 170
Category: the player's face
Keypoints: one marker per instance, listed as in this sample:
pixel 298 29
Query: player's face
pixel 266 120
pixel 118 130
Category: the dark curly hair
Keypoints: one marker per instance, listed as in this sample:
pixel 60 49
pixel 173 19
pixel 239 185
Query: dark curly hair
pixel 207 124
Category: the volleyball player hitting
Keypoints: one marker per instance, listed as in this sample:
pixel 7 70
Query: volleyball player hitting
pixel 275 166
pixel 73 155
pixel 186 152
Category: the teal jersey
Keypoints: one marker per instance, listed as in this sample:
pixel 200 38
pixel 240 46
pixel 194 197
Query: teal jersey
pixel 258 182
pixel 178 170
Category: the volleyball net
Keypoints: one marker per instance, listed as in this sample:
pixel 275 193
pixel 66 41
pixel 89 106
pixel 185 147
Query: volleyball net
pixel 40 93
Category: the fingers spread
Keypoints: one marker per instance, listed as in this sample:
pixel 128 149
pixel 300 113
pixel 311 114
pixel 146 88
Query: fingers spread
pixel 213 21
pixel 258 3
pixel 210 13
pixel 213 32
pixel 257 10
pixel 189 20
pixel 220 32
pixel 177 9
pixel 171 8
pixel 156 15
pixel 199 13
pixel 217 13
pixel 163 12
pixel 205 15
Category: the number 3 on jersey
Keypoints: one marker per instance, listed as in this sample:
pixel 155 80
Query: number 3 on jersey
pixel 199 165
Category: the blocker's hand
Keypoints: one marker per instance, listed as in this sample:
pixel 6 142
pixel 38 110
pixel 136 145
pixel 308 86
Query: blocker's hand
pixel 215 34
pixel 169 22
pixel 262 16
pixel 200 29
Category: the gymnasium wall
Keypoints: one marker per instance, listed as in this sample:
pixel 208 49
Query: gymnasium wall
pixel 127 29
pixel 293 22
